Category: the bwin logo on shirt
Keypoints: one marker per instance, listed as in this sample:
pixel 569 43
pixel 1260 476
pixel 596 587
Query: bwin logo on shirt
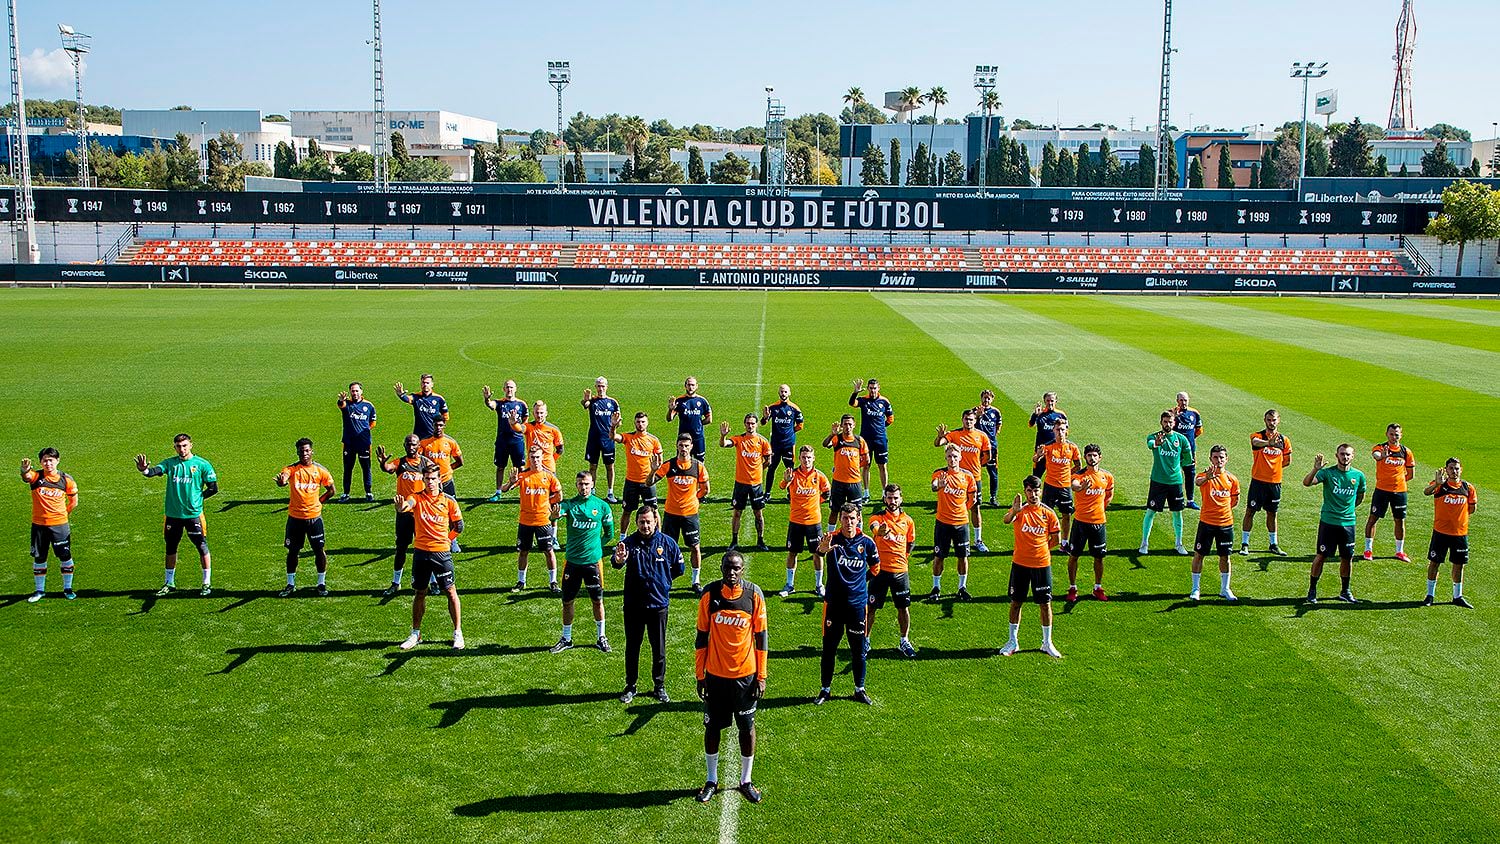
pixel 1034 530
pixel 1455 499
pixel 731 620
pixel 1339 489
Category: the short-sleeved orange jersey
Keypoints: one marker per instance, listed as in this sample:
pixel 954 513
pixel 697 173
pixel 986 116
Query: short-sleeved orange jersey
pixel 408 471
pixel 684 485
pixel 52 497
pixel 540 489
pixel 973 447
pixel 1088 504
pixel 850 457
pixel 731 632
pixel 546 435
pixel 806 489
pixel 305 486
pixel 1391 465
pixel 1032 527
pixel 752 453
pixel 1270 459
pixel 435 516
pixel 1219 496
pixel 1060 457
pixel 958 492
pixel 441 450
pixel 639 449
pixel 1452 503
pixel 893 548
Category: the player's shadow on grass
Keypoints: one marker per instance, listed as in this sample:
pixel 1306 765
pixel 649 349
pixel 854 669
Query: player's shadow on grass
pixel 244 655
pixel 645 711
pixel 378 554
pixel 1212 600
pixel 571 801
pixel 246 502
pixel 454 711
pixel 1264 563
pixel 1328 604
pixel 400 658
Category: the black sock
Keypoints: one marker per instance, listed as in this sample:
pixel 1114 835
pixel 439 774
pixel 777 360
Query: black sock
pixel 1345 581
pixel 1312 586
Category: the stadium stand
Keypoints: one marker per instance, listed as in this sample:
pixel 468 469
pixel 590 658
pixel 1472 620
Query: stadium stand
pixel 1072 259
pixel 263 253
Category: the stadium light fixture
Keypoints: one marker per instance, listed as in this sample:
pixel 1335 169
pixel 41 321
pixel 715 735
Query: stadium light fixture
pixel 559 74
pixel 985 77
pixel 25 220
pixel 76 44
pixel 1306 71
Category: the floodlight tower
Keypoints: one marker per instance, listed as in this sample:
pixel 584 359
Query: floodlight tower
pixel 76 45
pixel 1164 106
pixel 1306 71
pixel 775 175
pixel 985 76
pixel 1401 122
pixel 20 154
pixel 382 128
pixel 559 74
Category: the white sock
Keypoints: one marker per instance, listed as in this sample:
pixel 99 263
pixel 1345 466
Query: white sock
pixel 713 766
pixel 978 534
pixel 1046 635
pixel 41 582
pixel 695 577
pixel 1196 578
pixel 1272 537
pixel 963 581
pixel 1458 589
pixel 521 576
pixel 207 575
pixel 1098 586
pixel 937 581
pixel 600 625
pixel 171 577
pixel 322 578
pixel 818 579
pixel 497 492
pixel 1245 537
pixel 791 576
pixel 1431 588
pixel 1224 581
pixel 905 640
pixel 1015 632
pixel 291 578
pixel 746 763
pixel 67 580
pixel 396 576
pixel 1400 546
pixel 568 632
pixel 1369 544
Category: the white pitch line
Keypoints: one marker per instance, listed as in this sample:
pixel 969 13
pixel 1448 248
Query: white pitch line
pixel 760 360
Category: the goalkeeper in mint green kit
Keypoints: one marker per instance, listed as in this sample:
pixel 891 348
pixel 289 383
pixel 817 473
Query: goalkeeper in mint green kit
pixel 1170 451
pixel 190 479
pixel 590 525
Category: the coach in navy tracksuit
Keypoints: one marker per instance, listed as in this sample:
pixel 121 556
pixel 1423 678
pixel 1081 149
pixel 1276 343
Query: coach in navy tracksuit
pixel 651 560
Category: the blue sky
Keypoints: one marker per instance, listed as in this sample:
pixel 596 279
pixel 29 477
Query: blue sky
pixel 1082 61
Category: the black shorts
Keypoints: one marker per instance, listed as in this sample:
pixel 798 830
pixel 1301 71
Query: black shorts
pixel 1037 581
pixel 750 494
pixel 406 529
pixel 427 565
pixel 1336 540
pixel 729 700
pixel 575 576
pixel 946 536
pixel 175 528
pixel 897 584
pixel 1263 496
pixel 510 454
pixel 599 452
pixel 449 488
pixel 880 451
pixel 535 537
pixel 637 494
pixel 357 449
pixel 1058 498
pixel 1455 547
pixel 700 448
pixel 844 493
pixel 848 618
pixel 682 529
pixel 1213 538
pixel 1396 501
pixel 788 458
pixel 1094 538
pixel 309 530
pixel 58 538
pixel 798 535
pixel 1161 496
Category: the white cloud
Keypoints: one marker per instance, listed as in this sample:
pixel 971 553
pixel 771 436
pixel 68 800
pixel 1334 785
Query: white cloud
pixel 48 72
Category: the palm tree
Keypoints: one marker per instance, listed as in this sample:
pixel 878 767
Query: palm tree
pixel 938 97
pixel 911 100
pixel 853 98
pixel 990 101
pixel 634 132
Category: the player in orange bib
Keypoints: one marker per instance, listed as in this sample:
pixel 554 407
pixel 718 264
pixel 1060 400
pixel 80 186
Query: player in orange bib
pixel 642 459
pixel 1095 489
pixel 1036 531
pixel 974 453
pixel 806 488
pixel 851 463
pixel 409 469
pixel 1454 501
pixel 1394 467
pixel 53 497
pixel 752 454
pixel 309 485
pixel 541 495
pixel 1060 460
pixel 437 518
pixel 540 432
pixel 895 535
pixel 687 485
pixel 730 662
pixel 957 492
pixel 444 451
pixel 1272 452
pixel 1219 492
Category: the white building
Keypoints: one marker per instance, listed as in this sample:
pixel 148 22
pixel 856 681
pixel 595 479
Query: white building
pixel 595 163
pixel 1409 151
pixel 258 135
pixel 443 135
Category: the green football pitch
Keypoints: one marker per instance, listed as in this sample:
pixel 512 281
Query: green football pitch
pixel 246 717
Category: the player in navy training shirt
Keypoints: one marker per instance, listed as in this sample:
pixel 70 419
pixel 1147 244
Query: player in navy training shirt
pixel 510 444
pixel 875 413
pixel 426 406
pixel 1044 418
pixel 691 412
pixel 603 412
pixel 990 422
pixel 785 419
pixel 850 558
pixel 1189 423
pixel 359 418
